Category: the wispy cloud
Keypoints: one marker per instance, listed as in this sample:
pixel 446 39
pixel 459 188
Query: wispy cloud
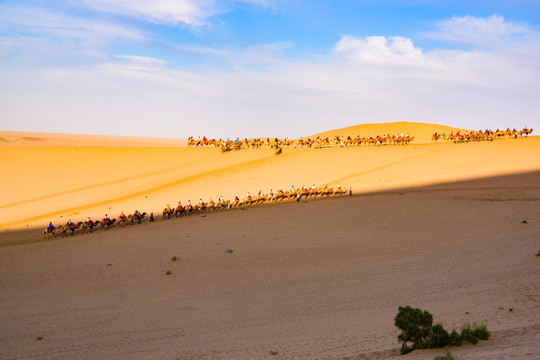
pixel 491 31
pixel 27 20
pixel 189 12
pixel 172 12
pixel 34 35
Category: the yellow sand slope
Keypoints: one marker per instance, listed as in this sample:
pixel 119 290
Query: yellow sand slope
pixel 54 183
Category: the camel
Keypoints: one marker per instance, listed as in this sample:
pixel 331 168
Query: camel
pixel 223 204
pixel 211 206
pixel 304 192
pixel 167 212
pixel 123 220
pixel 526 132
pixel 261 198
pixel 49 233
pixel 89 225
pixel 202 206
pixel 280 195
pixel 138 217
pixel 107 223
pixel 327 191
pixel 178 211
pixel 70 227
pixel 188 209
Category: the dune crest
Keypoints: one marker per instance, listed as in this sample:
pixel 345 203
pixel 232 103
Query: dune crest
pixel 422 132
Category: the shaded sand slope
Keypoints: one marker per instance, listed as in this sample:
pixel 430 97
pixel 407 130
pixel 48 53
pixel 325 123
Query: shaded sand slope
pixel 54 183
pixel 310 280
pixel 422 132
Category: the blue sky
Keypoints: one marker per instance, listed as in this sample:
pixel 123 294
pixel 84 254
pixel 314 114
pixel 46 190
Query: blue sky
pixel 252 68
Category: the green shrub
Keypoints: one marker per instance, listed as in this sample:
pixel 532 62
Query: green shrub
pixel 415 325
pixel 467 334
pixel 439 337
pixel 481 332
pixel 405 349
pixel 419 333
pixel 455 339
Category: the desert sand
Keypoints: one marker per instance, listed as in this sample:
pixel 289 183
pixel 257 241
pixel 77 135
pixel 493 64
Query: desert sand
pixel 449 228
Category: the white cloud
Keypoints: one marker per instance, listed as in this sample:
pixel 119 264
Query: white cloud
pixel 172 12
pixel 378 49
pixel 490 31
pixel 43 23
pixel 141 63
pixel 189 12
pixel 34 35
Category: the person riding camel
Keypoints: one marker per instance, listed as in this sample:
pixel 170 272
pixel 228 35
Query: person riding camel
pixel 122 216
pixel 50 228
pixel 168 209
pixel 70 224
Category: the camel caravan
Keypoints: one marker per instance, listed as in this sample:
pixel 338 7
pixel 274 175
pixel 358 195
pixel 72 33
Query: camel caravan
pixel 319 142
pixel 481 135
pixel 238 144
pixel 249 200
pixel 189 209
pixel 88 225
pixel 337 141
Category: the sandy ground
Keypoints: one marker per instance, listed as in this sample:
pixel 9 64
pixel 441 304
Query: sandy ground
pixel 435 226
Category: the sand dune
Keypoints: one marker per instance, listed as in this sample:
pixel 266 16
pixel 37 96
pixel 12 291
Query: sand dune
pixel 436 226
pixel 21 138
pixel 55 183
pixel 422 132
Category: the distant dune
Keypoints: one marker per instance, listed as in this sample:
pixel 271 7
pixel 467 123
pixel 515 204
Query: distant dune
pixel 20 138
pixel 422 132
